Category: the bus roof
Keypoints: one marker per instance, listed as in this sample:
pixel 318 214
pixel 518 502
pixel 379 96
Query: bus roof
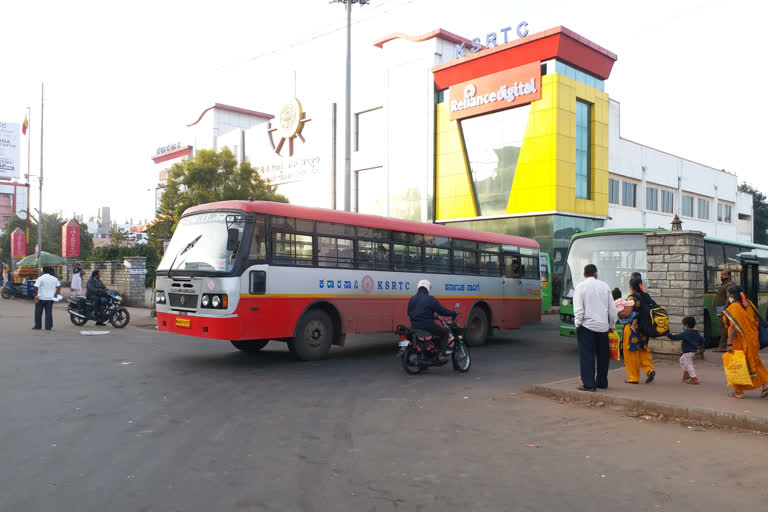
pixel 619 231
pixel 360 219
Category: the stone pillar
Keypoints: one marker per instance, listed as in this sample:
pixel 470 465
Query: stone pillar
pixel 675 280
pixel 136 267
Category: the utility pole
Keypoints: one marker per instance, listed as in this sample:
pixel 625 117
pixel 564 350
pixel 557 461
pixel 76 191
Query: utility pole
pixel 29 172
pixel 40 209
pixel 348 109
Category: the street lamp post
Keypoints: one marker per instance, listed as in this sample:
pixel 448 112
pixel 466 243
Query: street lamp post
pixel 348 108
pixel 40 209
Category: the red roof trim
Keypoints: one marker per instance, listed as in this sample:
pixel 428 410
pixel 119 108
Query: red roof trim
pixel 359 219
pixel 439 33
pixel 230 108
pixel 173 154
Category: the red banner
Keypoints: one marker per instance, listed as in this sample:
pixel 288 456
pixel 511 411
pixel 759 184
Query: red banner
pixel 70 239
pixel 18 244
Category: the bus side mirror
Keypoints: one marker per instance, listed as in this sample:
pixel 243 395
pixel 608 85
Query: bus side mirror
pixel 233 239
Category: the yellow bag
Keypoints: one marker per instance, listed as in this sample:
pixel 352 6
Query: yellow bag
pixel 614 345
pixel 736 369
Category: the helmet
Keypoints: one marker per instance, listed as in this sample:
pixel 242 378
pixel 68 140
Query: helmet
pixel 425 284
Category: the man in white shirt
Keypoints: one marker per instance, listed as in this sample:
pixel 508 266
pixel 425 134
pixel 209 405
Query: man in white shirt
pixel 47 287
pixel 594 315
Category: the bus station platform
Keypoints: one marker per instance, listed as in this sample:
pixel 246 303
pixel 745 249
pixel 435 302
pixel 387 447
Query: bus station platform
pixel 669 398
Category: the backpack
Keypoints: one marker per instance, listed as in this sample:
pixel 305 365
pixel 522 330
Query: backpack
pixel 652 320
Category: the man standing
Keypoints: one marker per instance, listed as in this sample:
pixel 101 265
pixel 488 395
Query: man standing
pixel 47 287
pixel 720 303
pixel 594 315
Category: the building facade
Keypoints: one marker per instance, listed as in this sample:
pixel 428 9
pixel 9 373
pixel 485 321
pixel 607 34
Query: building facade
pixel 516 135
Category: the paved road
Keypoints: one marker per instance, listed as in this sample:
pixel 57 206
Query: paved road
pixel 195 425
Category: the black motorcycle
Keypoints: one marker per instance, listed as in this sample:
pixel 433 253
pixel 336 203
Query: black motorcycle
pixel 81 310
pixel 11 289
pixel 418 351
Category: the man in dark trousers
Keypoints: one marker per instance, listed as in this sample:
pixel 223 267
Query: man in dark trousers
pixel 594 315
pixel 47 288
pixel 422 308
pixel 720 302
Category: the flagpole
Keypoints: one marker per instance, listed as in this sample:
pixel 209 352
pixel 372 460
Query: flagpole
pixel 40 210
pixel 29 171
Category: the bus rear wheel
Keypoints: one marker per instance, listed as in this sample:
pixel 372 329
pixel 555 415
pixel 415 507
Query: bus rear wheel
pixel 314 336
pixel 249 345
pixel 476 331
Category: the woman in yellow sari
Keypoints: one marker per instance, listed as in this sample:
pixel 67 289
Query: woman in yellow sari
pixel 741 322
pixel 637 354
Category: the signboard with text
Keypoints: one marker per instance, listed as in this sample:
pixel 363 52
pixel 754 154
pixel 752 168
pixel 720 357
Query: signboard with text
pixel 10 133
pixel 505 89
pixel 70 239
pixel 18 244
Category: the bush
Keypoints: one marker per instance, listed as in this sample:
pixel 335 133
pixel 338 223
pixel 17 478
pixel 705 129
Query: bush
pixel 114 253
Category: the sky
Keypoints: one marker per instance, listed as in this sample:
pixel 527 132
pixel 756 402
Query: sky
pixel 122 79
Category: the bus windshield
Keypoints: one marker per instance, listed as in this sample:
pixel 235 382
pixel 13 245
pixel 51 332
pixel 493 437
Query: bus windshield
pixel 209 253
pixel 616 257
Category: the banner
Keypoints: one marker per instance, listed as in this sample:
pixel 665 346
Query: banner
pixel 9 150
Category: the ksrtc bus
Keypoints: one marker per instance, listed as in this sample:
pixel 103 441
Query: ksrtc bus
pixel 254 271
pixel 546 282
pixel 619 252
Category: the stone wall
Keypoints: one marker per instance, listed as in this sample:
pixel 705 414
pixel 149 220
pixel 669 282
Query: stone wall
pixel 126 279
pixel 675 280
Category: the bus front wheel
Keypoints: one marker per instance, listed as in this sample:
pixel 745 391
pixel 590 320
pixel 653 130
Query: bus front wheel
pixel 476 331
pixel 249 345
pixel 314 336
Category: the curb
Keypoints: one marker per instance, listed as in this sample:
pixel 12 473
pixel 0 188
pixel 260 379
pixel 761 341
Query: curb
pixel 696 414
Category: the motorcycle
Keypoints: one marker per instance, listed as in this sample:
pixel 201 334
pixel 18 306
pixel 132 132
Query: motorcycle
pixel 81 310
pixel 418 351
pixel 11 289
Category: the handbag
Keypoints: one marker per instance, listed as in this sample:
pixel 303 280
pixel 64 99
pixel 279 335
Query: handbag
pixel 762 328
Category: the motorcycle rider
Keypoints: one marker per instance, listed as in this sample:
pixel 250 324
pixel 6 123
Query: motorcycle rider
pixel 94 292
pixel 422 308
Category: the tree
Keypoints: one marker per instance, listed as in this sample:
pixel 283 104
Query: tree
pixel 209 176
pixel 759 213
pixel 51 235
pixel 118 236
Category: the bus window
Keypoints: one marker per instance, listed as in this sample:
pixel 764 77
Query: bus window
pixel 489 264
pixel 334 252
pixel 512 266
pixel 407 257
pixel 330 228
pixel 258 249
pixel 733 257
pixel 714 255
pixel 464 262
pixel 437 259
pixel 529 267
pixel 291 249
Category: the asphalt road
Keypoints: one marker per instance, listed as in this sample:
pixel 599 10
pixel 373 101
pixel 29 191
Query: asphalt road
pixel 147 421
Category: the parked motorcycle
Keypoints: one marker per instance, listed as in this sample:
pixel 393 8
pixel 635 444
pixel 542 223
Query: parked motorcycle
pixel 11 289
pixel 418 351
pixel 81 310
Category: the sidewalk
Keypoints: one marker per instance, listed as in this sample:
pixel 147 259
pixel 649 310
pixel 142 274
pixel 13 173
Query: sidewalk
pixel 668 395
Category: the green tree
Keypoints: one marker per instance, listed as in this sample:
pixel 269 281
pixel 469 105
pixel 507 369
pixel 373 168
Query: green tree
pixel 759 213
pixel 51 235
pixel 208 177
pixel 117 236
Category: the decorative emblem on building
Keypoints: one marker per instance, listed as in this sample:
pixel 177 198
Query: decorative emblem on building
pixel 290 123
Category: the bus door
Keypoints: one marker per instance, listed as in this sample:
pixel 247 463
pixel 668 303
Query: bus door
pixel 750 279
pixel 513 287
pixel 546 282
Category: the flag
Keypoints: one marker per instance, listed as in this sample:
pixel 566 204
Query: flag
pixel 25 125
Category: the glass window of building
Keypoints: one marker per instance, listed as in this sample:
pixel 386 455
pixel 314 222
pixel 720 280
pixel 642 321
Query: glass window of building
pixel 369 130
pixel 493 143
pixel 702 208
pixel 371 186
pixel 667 201
pixel 687 206
pixel 613 191
pixel 724 213
pixel 652 198
pixel 728 214
pixel 629 194
pixel 582 149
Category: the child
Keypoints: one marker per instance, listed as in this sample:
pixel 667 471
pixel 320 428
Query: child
pixel 691 341
pixel 621 304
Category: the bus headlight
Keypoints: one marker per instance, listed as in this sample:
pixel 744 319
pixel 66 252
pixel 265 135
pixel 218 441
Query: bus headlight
pixel 215 301
pixel 565 302
pixel 160 297
pixel 206 300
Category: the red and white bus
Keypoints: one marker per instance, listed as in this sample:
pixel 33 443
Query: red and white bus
pixel 254 271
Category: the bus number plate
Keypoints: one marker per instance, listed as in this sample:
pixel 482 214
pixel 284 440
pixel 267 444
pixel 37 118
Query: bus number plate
pixel 184 322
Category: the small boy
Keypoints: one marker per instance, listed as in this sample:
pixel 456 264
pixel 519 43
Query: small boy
pixel 621 305
pixel 691 341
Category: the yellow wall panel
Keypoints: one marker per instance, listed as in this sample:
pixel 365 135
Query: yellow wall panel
pixel 454 198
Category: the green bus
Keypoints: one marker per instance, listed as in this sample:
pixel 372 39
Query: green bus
pixel 619 252
pixel 546 282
